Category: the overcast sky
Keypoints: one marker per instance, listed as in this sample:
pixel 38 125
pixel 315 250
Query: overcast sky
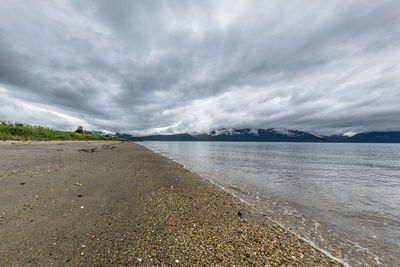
pixel 145 67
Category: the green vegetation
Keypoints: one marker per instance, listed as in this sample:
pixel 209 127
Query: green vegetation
pixel 18 131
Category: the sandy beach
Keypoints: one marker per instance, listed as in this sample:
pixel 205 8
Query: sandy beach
pixel 118 203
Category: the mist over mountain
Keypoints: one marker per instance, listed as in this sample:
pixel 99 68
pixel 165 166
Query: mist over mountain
pixel 268 135
pixel 259 135
pixel 375 137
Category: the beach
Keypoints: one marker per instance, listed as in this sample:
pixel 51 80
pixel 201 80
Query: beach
pixel 118 203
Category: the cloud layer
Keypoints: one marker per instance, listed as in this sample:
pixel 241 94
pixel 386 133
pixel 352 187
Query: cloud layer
pixel 148 67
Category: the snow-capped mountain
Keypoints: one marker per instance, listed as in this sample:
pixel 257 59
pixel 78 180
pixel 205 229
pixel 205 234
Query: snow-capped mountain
pixel 269 135
pixel 259 135
pixel 232 132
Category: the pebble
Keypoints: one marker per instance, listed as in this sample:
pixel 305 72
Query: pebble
pixel 201 231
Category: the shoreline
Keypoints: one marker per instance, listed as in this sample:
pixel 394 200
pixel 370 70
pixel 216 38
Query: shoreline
pixel 63 204
pixel 256 210
pixel 346 244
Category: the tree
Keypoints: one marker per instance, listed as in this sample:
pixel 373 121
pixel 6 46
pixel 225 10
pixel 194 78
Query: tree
pixel 79 129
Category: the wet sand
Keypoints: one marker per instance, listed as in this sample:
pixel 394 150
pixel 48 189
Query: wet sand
pixel 110 203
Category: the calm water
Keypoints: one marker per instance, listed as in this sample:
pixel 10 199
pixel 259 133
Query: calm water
pixel 345 198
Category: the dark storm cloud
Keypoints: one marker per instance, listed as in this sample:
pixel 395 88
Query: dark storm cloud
pixel 190 66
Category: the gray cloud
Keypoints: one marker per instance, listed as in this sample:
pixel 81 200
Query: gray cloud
pixel 190 66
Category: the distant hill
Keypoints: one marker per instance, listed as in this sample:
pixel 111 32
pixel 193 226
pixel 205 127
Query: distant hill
pixel 259 135
pixel 336 138
pixel 124 136
pixel 173 137
pixel 376 137
pixel 268 135
pixel 233 135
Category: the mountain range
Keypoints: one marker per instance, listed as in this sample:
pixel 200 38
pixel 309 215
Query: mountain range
pixel 268 135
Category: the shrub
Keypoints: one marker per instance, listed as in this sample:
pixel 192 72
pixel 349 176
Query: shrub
pixel 18 131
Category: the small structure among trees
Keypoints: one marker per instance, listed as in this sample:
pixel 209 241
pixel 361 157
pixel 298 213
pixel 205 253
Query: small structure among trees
pixel 80 130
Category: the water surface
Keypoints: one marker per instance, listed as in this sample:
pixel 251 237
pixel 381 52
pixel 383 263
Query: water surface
pixel 345 198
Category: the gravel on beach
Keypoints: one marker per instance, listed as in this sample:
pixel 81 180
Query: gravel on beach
pixel 118 203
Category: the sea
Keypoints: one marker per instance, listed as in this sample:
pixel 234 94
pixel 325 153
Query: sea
pixel 342 198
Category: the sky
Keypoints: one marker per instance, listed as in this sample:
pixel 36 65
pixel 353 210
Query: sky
pixel 163 67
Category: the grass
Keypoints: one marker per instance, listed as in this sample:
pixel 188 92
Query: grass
pixel 18 131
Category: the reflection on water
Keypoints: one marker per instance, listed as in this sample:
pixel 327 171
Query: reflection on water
pixel 352 189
